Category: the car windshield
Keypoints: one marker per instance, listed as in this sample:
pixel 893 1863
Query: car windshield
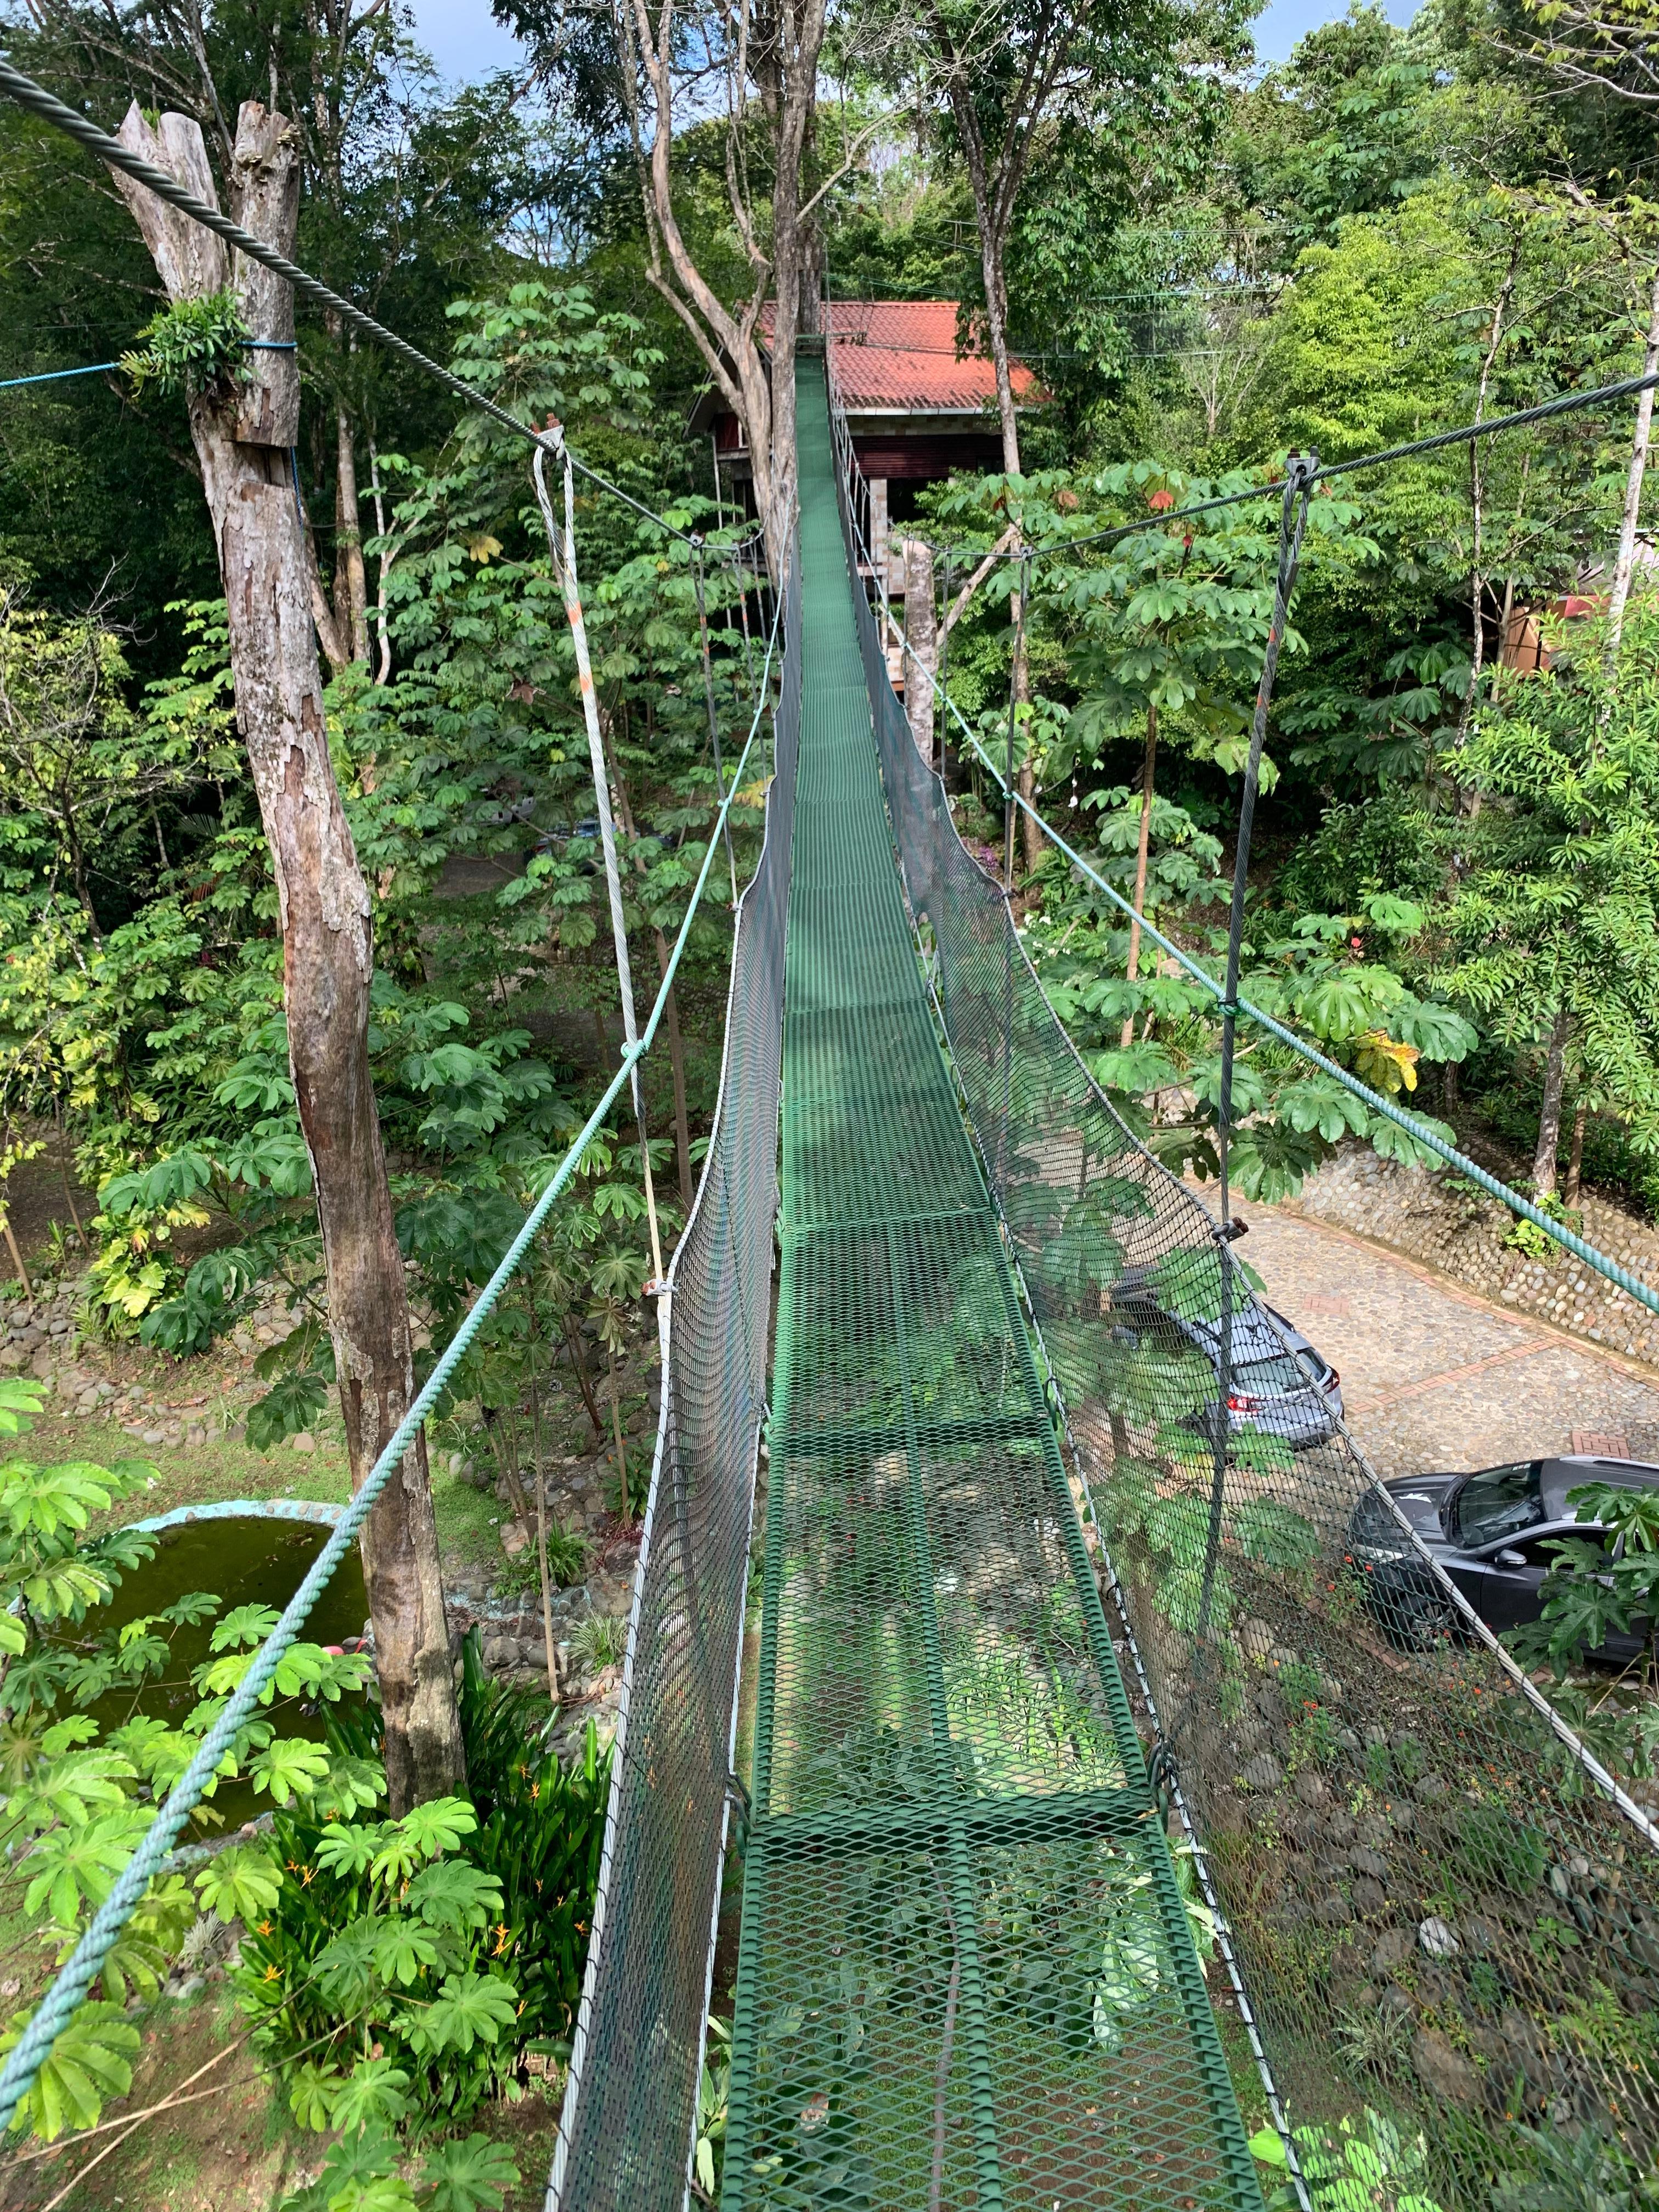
pixel 1499 1502
pixel 1271 1378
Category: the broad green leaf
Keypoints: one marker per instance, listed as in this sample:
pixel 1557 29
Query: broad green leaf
pixel 90 2061
pixel 239 1885
pixel 470 2009
pixel 291 1767
pixel 470 2175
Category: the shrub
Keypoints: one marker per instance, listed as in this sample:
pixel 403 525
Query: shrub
pixel 406 1963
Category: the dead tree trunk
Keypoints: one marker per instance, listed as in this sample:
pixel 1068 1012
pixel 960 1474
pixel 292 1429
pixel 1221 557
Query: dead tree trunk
pixel 351 586
pixel 242 438
pixel 921 629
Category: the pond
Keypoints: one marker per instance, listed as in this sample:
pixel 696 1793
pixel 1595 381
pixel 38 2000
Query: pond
pixel 248 1560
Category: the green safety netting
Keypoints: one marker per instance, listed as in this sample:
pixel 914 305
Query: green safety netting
pixel 967 1972
pixel 625 2138
pixel 1395 1896
pixel 1433 1901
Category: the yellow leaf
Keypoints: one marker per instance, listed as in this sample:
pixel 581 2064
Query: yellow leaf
pixel 1385 1063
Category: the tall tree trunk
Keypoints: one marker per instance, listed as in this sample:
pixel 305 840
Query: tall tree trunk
pixel 1575 1156
pixel 1477 499
pixel 1142 851
pixel 921 629
pixel 992 207
pixel 351 606
pixel 1624 567
pixel 243 444
pixel 761 393
pixel 1549 1119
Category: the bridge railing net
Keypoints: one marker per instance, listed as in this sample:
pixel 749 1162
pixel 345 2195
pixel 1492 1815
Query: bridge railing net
pixel 1436 1909
pixel 626 2132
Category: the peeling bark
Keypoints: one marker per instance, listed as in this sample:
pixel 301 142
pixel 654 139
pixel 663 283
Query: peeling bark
pixel 327 944
pixel 921 629
pixel 1549 1119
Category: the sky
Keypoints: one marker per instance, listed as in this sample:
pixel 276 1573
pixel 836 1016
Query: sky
pixel 464 39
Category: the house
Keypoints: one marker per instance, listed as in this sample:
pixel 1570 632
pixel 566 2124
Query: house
pixel 918 411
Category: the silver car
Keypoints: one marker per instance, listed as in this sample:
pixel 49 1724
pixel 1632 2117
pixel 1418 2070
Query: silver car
pixel 1278 1383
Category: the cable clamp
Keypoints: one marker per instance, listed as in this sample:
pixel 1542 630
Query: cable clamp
pixel 1301 470
pixel 1231 1231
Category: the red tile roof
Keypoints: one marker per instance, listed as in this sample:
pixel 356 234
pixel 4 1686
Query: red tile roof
pixel 902 353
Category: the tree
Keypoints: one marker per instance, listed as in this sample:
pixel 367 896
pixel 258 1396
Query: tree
pixel 406 191
pixel 243 417
pixel 726 62
pixel 1019 81
pixel 1553 930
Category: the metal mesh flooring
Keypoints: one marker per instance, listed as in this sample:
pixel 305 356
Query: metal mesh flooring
pixel 966 1974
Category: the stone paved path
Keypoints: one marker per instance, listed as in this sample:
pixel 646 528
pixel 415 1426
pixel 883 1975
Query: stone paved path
pixel 1433 1376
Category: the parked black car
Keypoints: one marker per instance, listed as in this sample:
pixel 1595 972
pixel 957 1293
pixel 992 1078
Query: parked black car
pixel 1492 1532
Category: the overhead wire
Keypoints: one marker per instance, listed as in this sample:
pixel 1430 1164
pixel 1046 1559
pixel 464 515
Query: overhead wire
pixel 99 367
pixel 1544 411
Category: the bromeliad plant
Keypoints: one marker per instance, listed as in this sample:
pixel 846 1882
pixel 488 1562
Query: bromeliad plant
pixel 76 1800
pixel 403 1967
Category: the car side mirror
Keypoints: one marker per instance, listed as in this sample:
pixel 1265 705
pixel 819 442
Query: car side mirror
pixel 1508 1557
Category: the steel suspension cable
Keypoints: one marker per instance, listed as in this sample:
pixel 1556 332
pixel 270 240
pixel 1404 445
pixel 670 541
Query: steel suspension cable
pixel 39 102
pixel 1545 410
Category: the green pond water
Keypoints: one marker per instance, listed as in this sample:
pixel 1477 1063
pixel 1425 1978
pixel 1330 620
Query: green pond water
pixel 248 1561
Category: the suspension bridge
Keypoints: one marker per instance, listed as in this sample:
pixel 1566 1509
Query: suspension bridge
pixel 1085 1794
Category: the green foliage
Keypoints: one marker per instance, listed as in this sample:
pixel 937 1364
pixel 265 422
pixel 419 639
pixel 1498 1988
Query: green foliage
pixel 1371 2162
pixel 1554 915
pixel 359 2172
pixel 1603 1583
pixel 77 1802
pixel 197 348
pixel 403 1965
pixel 599 1641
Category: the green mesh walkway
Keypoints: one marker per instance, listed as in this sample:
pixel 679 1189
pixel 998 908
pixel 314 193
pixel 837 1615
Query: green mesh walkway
pixel 966 1975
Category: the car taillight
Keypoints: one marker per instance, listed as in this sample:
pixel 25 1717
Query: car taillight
pixel 1238 1403
pixel 1332 1380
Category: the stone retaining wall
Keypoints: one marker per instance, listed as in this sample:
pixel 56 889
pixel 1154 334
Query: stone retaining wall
pixel 1461 1233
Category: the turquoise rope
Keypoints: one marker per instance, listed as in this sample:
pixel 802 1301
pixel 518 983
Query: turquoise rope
pixel 55 375
pixel 55 2008
pixel 1417 1131
pixel 97 367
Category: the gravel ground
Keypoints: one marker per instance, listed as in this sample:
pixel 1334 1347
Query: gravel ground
pixel 1433 1376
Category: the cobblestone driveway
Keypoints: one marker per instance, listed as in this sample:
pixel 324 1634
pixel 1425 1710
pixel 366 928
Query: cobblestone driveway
pixel 1433 1376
